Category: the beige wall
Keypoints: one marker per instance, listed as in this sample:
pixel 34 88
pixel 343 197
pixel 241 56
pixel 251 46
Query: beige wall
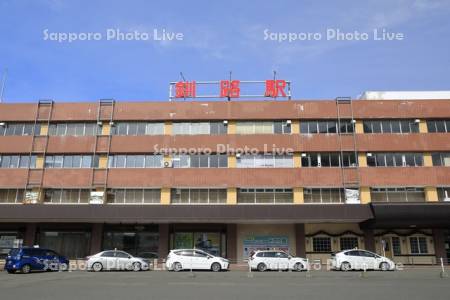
pixel 244 230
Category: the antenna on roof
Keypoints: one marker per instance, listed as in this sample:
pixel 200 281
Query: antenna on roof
pixel 229 90
pixel 5 73
pixel 182 76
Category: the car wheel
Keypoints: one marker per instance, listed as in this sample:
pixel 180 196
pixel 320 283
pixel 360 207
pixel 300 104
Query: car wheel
pixel 97 267
pixel 299 267
pixel 345 266
pixel 261 267
pixel 62 267
pixel 215 267
pixel 26 269
pixel 384 266
pixel 136 267
pixel 177 267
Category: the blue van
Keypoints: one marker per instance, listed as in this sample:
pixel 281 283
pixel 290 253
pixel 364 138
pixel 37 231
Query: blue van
pixel 28 259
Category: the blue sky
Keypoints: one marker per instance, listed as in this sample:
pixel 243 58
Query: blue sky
pixel 219 37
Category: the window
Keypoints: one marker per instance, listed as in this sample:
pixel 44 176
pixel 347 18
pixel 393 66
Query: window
pixel 396 245
pixel 348 243
pixel 19 129
pixel 200 161
pixel 330 126
pixel 390 126
pixel 263 127
pixel 18 161
pixel 135 161
pixel 265 196
pixel 395 160
pixel 197 128
pixel 444 193
pixel 265 161
pixel 74 129
pixel 399 194
pixel 438 126
pixel 418 245
pixel 11 195
pixel 134 196
pixel 137 128
pixel 71 161
pixel 322 244
pixel 323 195
pixel 441 159
pixel 328 159
pixel 67 196
pixel 198 196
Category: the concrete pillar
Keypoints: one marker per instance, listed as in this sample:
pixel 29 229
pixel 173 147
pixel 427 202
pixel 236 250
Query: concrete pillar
pixel 44 129
pixel 30 235
pixel 165 196
pixel 231 195
pixel 295 127
pixel 168 128
pixel 231 127
pixel 96 238
pixel 298 195
pixel 359 127
pixel 362 159
pixel 163 248
pixel 369 240
pixel 300 240
pixel 106 128
pixel 232 242
pixel 427 160
pixel 297 160
pixel 365 194
pixel 423 128
pixel 231 161
pixel 439 244
pixel 431 194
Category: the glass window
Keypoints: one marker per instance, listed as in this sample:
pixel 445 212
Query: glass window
pixel 304 127
pixel 418 245
pixel 322 244
pixel 348 243
pixel 86 161
pixel 396 245
pixel 67 161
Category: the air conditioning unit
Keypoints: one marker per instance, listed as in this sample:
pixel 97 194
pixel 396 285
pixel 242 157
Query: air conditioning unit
pixel 289 122
pixel 168 164
pixel 225 122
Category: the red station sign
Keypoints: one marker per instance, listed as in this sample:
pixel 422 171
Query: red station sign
pixel 230 89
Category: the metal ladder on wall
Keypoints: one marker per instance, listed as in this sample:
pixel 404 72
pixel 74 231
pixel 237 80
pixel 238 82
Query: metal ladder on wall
pixel 44 111
pixel 105 112
pixel 348 181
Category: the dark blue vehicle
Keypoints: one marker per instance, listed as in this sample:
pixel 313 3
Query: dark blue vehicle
pixel 27 259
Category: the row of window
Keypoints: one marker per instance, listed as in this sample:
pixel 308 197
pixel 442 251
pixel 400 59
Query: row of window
pixel 19 129
pixel 329 159
pixel 265 161
pixel 71 161
pixel 214 196
pixel 331 126
pixel 254 196
pixel 220 127
pixel 18 161
pixel 313 159
pixel 418 245
pixel 391 126
pixel 74 129
pixel 395 160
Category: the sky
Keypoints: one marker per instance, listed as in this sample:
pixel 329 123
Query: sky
pixel 243 37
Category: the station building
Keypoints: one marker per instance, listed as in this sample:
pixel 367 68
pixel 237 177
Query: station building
pixel 308 177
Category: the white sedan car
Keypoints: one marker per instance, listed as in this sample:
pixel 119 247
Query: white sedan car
pixel 356 259
pixel 194 259
pixel 115 260
pixel 276 260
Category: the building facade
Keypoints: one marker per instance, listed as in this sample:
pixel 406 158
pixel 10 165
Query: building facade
pixel 308 177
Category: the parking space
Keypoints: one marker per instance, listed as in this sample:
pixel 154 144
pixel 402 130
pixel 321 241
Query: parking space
pixel 418 283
